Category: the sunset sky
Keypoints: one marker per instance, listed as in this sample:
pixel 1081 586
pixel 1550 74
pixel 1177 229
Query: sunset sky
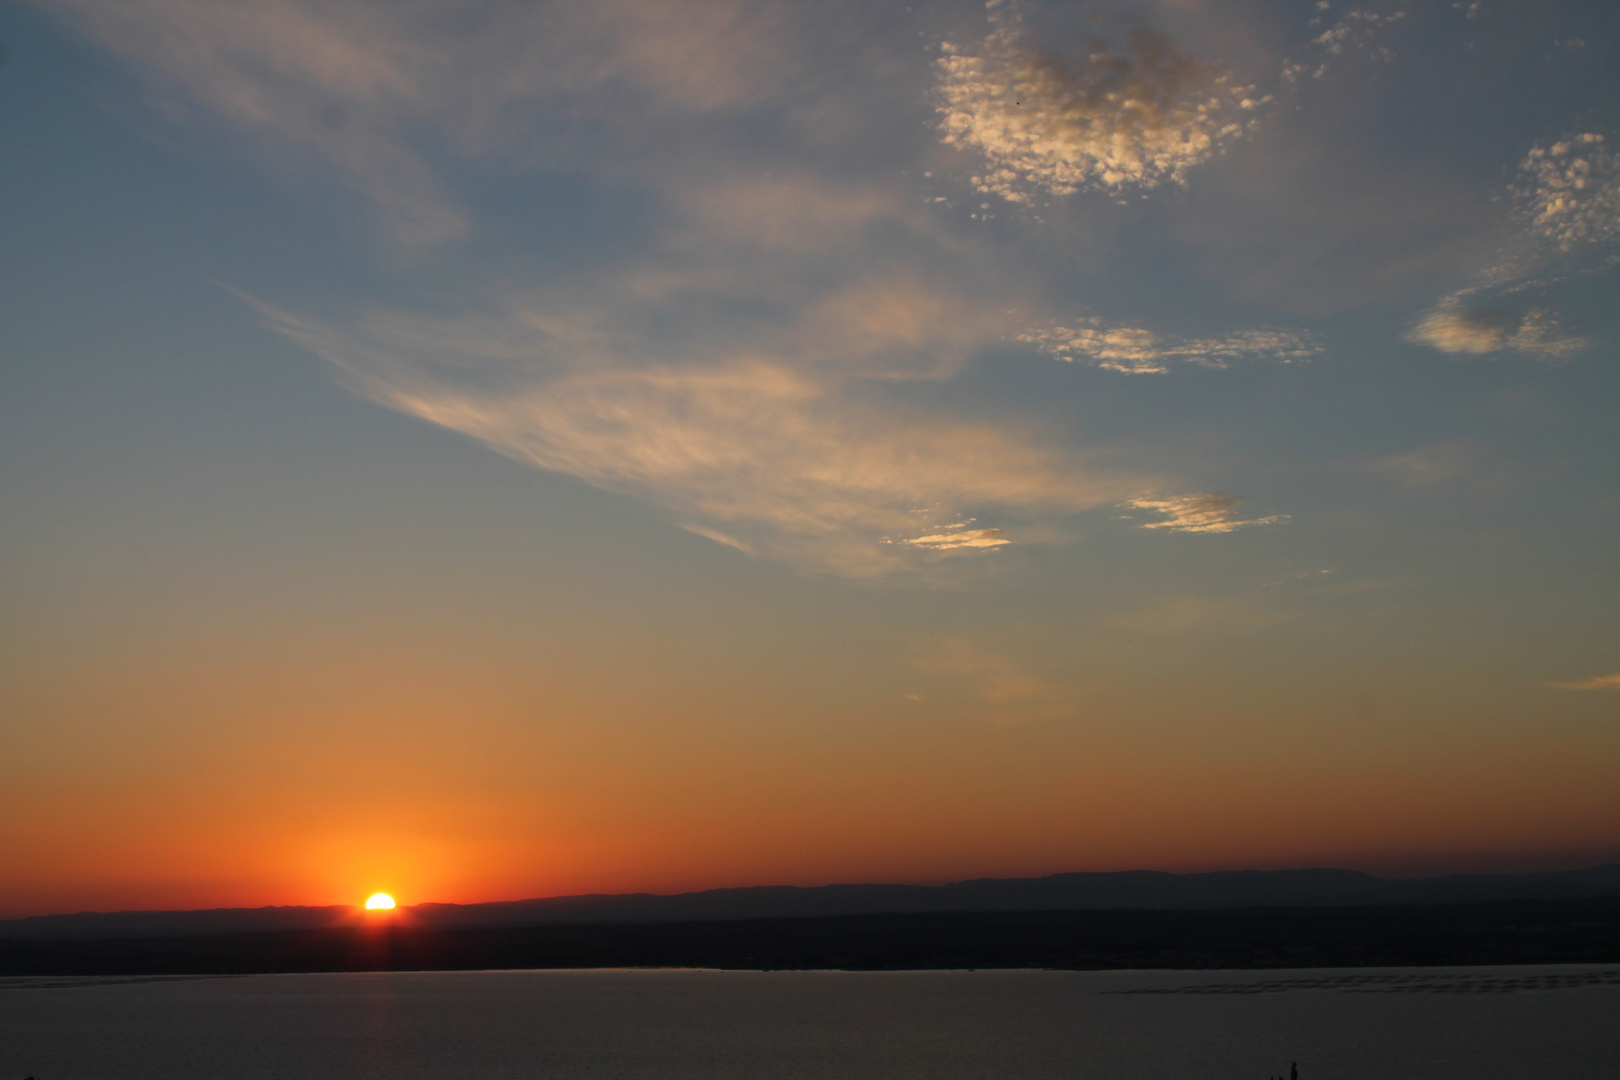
pixel 486 450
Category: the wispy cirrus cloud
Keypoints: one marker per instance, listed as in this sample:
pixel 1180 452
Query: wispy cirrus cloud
pixel 1602 682
pixel 776 455
pixel 760 452
pixel 335 83
pixel 1437 463
pixel 1467 464
pixel 1008 690
pixel 1206 512
pixel 1186 615
pixel 1137 351
pixel 735 369
pixel 379 94
pixel 957 536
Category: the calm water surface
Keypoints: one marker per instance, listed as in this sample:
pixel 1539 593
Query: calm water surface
pixel 1365 1024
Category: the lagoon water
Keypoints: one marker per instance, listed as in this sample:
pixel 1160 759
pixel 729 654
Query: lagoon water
pixel 1507 1023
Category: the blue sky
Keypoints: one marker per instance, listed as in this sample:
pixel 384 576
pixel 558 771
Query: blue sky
pixel 900 404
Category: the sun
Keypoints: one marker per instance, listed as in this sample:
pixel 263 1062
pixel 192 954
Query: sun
pixel 380 902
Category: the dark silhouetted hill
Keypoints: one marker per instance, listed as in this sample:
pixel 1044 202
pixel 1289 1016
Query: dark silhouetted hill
pixel 1492 932
pixel 1143 890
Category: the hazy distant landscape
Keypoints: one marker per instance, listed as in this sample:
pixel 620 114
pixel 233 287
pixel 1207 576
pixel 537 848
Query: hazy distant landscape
pixel 1257 919
pixel 1142 889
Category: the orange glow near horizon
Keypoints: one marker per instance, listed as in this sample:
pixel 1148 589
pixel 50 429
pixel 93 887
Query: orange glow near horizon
pixel 664 797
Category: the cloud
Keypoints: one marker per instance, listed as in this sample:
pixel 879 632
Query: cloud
pixel 1569 192
pixel 379 93
pixel 958 536
pixel 1566 205
pixel 764 453
pixel 1438 463
pixel 1137 351
pixel 1355 33
pixel 1451 328
pixel 1455 331
pixel 1602 682
pixel 1012 694
pixel 1467 464
pixel 1539 334
pixel 334 82
pixel 1207 512
pixel 1114 118
pixel 720 538
pixel 1179 615
pixel 763 351
pixel 744 365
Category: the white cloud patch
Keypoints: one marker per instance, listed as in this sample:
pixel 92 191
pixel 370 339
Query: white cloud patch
pixel 1135 115
pixel 1569 192
pixel 1602 682
pixel 958 536
pixel 1136 351
pixel 1451 328
pixel 1539 333
pixel 1206 512
pixel 1455 331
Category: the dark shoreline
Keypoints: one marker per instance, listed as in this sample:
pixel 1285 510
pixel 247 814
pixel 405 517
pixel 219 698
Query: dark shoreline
pixel 1493 932
pixel 1131 890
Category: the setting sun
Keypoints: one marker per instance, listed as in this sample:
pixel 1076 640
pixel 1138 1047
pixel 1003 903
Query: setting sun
pixel 380 902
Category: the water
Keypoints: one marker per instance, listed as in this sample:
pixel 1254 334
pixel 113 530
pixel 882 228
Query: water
pixel 1362 1024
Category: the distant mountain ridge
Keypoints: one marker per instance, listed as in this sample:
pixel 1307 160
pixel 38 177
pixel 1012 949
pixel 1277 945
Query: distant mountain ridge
pixel 1135 889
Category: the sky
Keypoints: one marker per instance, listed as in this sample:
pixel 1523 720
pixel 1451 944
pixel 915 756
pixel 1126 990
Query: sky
pixel 479 450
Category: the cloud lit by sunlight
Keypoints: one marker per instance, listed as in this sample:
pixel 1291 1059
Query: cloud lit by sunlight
pixel 1566 208
pixel 1136 351
pixel 1537 333
pixel 1569 192
pixel 1046 123
pixel 1602 682
pixel 1007 690
pixel 768 455
pixel 1207 512
pixel 740 370
pixel 960 536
